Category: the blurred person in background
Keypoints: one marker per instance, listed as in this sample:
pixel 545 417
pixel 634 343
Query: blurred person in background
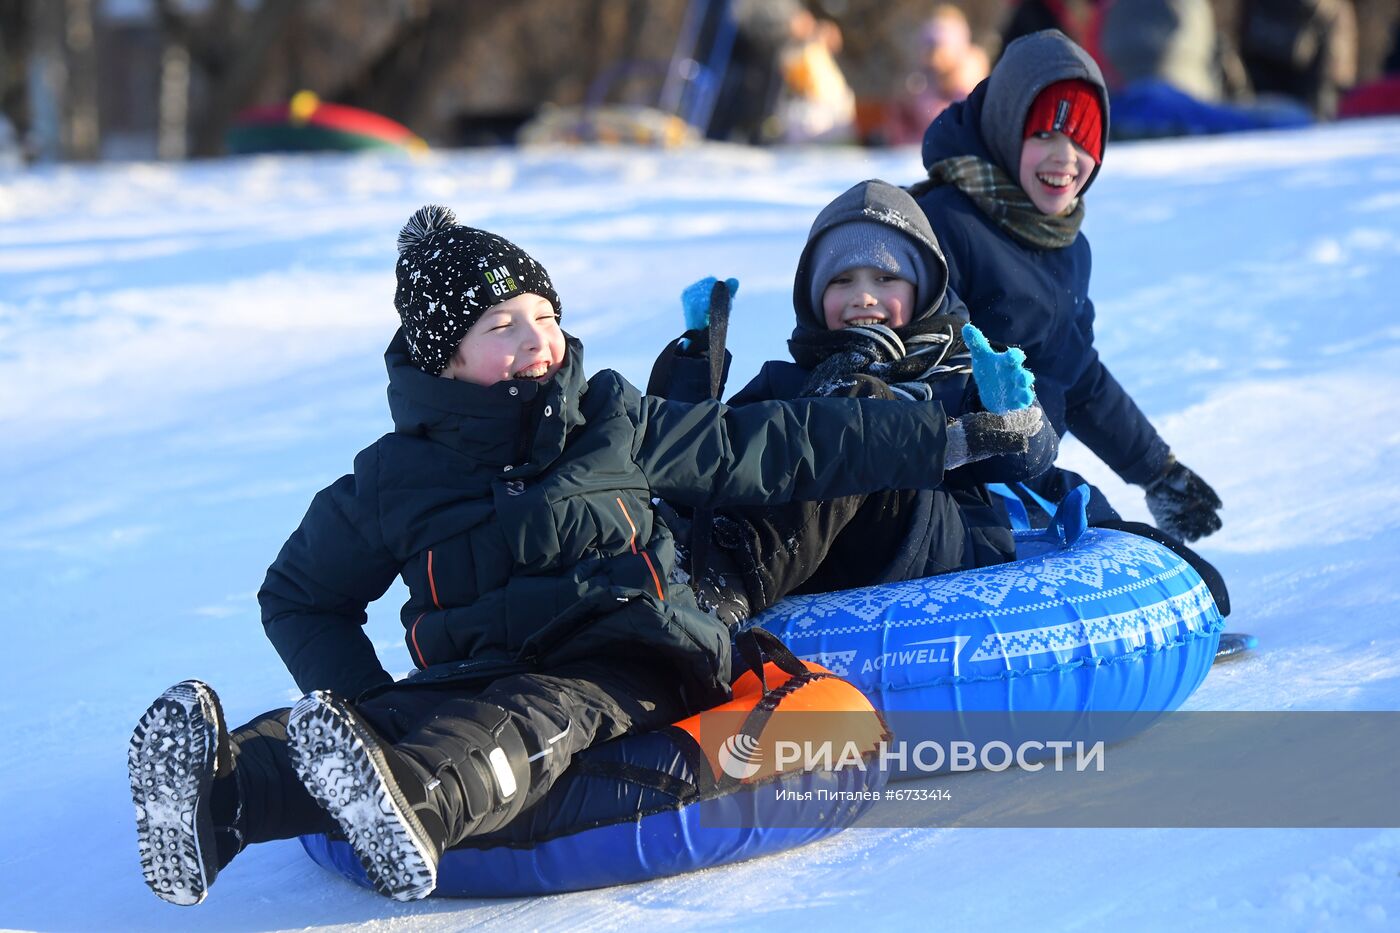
pixel 1081 20
pixel 950 65
pixel 1305 50
pixel 1175 41
pixel 753 80
pixel 1377 94
pixel 1173 72
pixel 815 105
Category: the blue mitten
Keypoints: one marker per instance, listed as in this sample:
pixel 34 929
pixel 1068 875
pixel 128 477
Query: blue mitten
pixel 695 301
pixel 1002 378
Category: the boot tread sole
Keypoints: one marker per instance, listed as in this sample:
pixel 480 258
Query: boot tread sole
pixel 344 769
pixel 170 762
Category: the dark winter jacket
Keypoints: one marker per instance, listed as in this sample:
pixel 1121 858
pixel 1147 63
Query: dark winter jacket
pixel 1036 299
pixel 519 516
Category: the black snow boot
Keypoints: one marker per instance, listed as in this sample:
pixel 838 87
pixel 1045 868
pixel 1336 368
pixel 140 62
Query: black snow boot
pixel 181 783
pixel 479 765
pixel 381 799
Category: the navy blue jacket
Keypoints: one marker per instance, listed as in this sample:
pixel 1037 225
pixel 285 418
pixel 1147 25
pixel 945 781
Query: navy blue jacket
pixel 1038 300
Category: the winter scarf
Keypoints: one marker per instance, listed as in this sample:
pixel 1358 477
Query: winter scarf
pixel 1004 201
pixel 907 360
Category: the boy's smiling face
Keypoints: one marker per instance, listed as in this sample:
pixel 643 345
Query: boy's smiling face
pixel 516 339
pixel 1053 171
pixel 867 296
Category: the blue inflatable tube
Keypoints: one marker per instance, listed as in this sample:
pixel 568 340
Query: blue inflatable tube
pixel 1085 620
pixel 660 803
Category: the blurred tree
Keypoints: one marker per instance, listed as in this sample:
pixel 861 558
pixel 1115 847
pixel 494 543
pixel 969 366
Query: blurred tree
pixel 228 44
pixel 81 134
pixel 50 66
pixel 399 78
pixel 14 57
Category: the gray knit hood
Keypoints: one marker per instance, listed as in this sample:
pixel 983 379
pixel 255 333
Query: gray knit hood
pixel 879 202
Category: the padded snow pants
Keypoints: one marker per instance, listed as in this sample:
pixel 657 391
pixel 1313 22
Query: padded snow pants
pixel 814 547
pixel 558 714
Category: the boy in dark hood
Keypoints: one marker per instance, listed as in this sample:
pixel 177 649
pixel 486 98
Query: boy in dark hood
pixel 1008 169
pixel 514 499
pixel 873 316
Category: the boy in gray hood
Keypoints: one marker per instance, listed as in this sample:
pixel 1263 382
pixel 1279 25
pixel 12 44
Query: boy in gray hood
pixel 874 317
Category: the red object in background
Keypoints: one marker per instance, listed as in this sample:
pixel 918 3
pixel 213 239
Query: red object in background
pixel 306 123
pixel 1378 98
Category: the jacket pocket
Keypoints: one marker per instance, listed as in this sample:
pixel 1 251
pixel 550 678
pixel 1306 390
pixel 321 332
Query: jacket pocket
pixel 588 611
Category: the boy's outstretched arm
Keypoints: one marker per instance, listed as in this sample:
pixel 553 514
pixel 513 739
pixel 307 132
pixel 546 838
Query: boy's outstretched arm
pixel 1005 388
pixel 314 597
pixel 979 436
pixel 711 454
pixel 1042 446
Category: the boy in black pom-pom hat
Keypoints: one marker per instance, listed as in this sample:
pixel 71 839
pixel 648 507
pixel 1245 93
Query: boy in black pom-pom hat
pixel 447 281
pixel 514 498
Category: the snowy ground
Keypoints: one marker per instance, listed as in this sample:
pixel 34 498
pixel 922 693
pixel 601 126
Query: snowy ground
pixel 188 352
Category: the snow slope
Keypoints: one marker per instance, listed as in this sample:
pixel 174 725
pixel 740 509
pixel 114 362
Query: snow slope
pixel 187 353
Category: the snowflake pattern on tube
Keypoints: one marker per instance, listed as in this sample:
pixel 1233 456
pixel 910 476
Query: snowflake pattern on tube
pixel 449 274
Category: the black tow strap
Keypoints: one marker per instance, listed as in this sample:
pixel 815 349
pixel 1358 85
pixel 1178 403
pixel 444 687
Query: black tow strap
pixel 755 645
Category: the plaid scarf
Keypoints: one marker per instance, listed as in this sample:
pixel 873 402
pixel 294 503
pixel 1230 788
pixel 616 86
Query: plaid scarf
pixel 908 360
pixel 1004 202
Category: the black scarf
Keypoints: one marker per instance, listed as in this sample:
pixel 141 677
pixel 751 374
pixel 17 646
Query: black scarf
pixel 908 360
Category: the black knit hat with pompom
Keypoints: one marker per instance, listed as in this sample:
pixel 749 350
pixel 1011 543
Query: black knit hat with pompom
pixel 448 275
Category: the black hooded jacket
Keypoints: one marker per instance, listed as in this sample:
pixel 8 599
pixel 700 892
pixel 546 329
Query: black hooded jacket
pixel 519 515
pixel 1036 299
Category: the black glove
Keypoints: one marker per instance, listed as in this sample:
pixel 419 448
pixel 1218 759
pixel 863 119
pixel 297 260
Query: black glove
pixel 982 434
pixel 1182 503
